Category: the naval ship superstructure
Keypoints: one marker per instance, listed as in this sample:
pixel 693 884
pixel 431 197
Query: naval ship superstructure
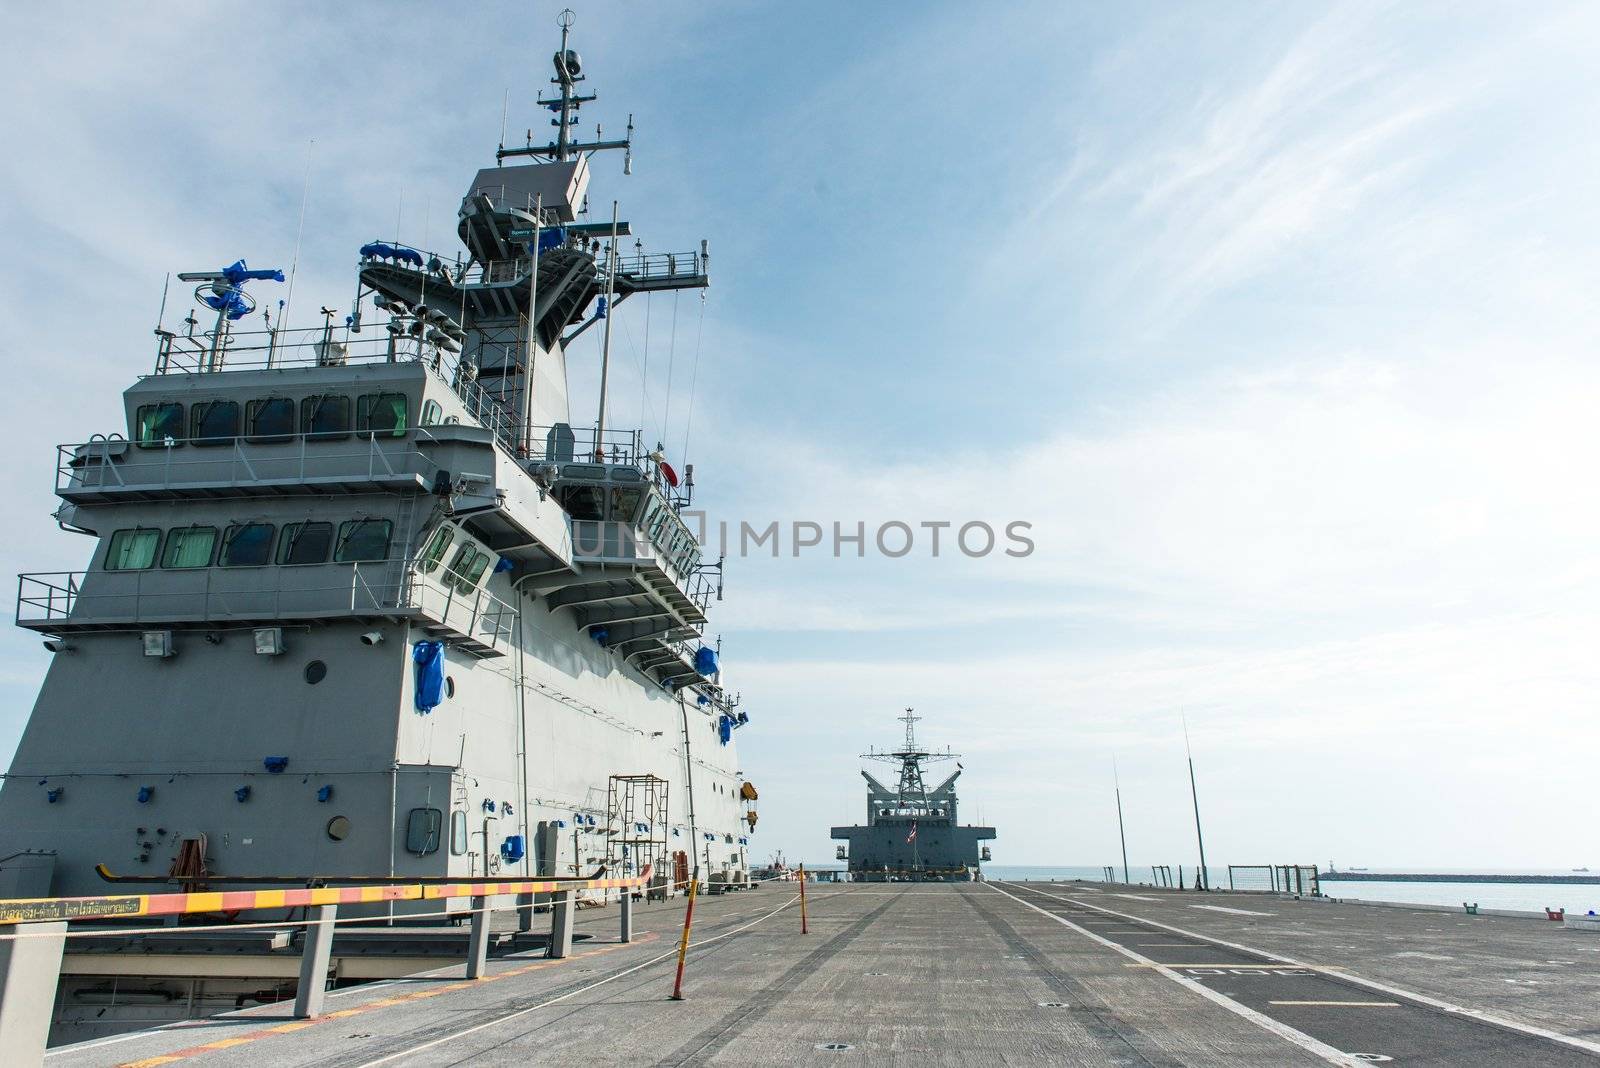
pixel 912 832
pixel 369 600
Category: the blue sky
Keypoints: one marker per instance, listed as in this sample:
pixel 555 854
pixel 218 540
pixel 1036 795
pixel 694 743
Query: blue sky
pixel 1277 322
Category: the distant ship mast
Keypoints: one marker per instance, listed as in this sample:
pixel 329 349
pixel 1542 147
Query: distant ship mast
pixel 913 792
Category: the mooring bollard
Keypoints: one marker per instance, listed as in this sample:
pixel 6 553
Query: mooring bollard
pixel 626 907
pixel 801 872
pixel 314 956
pixel 30 967
pixel 683 942
pixel 560 925
pixel 478 940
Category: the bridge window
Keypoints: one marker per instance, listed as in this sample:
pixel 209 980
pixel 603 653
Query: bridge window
pixel 663 513
pixel 325 417
pixel 189 547
pixel 422 831
pixel 467 568
pixel 583 502
pixel 270 420
pixel 214 422
pixel 362 540
pixel 382 415
pixel 155 424
pixel 132 550
pixel 428 560
pixel 625 504
pixel 458 832
pixel 432 413
pixel 305 543
pixel 247 545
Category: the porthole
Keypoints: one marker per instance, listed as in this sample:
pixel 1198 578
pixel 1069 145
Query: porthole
pixel 449 685
pixel 339 828
pixel 316 671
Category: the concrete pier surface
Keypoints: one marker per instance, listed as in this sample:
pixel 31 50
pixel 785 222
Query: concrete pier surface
pixel 960 974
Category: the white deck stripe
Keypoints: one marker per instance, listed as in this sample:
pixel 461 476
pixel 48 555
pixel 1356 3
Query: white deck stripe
pixel 1370 984
pixel 1261 1020
pixel 1236 912
pixel 581 990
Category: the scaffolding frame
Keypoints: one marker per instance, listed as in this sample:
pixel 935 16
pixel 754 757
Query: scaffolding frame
pixel 634 802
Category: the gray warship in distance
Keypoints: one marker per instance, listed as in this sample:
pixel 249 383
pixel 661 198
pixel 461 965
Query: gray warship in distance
pixel 911 832
pixel 367 601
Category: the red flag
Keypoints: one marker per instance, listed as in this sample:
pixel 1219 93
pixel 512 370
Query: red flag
pixel 912 837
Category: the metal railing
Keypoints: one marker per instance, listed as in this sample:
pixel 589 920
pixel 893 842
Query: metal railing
pixel 656 265
pixel 222 595
pixel 33 975
pixel 334 347
pixel 1274 878
pixel 114 463
pixel 614 447
pixel 284 347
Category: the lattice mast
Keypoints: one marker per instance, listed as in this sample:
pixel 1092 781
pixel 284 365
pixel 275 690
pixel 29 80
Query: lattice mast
pixel 913 791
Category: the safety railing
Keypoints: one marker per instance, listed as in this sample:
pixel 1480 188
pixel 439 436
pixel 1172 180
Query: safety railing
pixel 115 465
pixel 660 265
pixel 566 444
pixel 1274 878
pixel 66 600
pixel 37 929
pixel 644 267
pixel 335 347
pixel 286 347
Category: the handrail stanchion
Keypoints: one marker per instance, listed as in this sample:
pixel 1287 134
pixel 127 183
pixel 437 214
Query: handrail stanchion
pixel 800 872
pixel 478 942
pixel 29 970
pixel 625 907
pixel 560 925
pixel 314 957
pixel 683 942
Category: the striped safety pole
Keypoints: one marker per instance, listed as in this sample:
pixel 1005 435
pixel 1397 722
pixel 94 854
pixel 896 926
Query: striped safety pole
pixel 683 943
pixel 801 871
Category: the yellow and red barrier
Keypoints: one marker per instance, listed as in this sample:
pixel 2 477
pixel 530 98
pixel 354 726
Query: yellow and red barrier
pixel 31 910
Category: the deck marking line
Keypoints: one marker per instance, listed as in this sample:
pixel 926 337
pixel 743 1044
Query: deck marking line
pixel 1138 897
pixel 1236 912
pixel 1345 1004
pixel 1282 1030
pixel 1240 967
pixel 574 993
pixel 1359 980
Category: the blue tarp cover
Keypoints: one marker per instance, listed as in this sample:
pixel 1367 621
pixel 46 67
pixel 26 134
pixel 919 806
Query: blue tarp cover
pixel 392 252
pixel 236 272
pixel 725 729
pixel 552 237
pixel 705 661
pixel 429 659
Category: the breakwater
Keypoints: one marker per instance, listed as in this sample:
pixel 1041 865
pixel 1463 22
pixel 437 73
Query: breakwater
pixel 1432 877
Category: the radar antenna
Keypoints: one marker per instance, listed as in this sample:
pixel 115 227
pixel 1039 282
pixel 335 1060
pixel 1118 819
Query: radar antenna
pixel 569 72
pixel 913 790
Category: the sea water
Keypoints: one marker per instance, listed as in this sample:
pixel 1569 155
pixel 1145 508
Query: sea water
pixel 1576 898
